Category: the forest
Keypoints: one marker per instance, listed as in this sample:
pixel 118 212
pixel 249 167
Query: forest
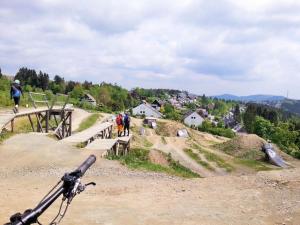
pixel 273 124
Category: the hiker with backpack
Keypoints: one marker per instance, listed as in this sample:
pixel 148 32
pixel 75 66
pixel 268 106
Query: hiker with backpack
pixel 119 121
pixel 15 93
pixel 126 123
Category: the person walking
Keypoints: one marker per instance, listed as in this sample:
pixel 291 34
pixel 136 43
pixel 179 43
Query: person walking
pixel 15 93
pixel 119 121
pixel 126 123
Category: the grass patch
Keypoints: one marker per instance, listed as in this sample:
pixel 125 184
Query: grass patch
pixel 80 145
pixel 252 155
pixel 214 158
pixel 163 140
pixel 147 144
pixel 5 135
pixel 53 136
pixel 138 158
pixel 196 157
pixel 256 165
pixel 162 129
pixel 135 129
pixel 88 122
pixel 22 125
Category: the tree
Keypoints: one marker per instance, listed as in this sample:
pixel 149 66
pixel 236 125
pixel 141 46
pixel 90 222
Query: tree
pixel 87 85
pixel 59 80
pixel 70 86
pixel 0 74
pixel 263 127
pixel 237 113
pixel 77 92
pixel 204 100
pixel 43 80
pixel 249 118
pixel 104 96
pixel 27 76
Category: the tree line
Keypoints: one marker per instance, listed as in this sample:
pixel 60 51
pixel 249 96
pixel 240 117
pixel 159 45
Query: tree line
pixel 280 127
pixel 110 97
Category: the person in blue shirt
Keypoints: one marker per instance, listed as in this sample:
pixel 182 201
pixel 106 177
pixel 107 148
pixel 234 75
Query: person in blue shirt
pixel 15 93
pixel 126 124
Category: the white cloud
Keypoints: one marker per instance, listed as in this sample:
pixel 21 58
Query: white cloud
pixel 225 46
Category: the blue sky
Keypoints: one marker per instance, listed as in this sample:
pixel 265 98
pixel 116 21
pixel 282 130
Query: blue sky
pixel 212 47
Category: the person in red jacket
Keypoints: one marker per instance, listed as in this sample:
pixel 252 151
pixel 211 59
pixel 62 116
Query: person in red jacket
pixel 120 124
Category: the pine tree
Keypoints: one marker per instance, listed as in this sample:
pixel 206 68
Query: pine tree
pixel 237 113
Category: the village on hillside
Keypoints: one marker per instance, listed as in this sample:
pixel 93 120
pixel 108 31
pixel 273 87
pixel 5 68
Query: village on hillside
pixel 193 111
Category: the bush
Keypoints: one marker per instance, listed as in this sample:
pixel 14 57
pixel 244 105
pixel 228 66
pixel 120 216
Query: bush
pixel 220 131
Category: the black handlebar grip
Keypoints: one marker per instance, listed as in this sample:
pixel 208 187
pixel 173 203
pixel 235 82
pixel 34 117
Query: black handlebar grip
pixel 86 164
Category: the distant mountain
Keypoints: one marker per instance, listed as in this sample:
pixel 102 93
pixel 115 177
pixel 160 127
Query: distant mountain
pixel 289 105
pixel 251 98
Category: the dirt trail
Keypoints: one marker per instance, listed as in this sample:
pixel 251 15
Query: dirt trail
pixel 78 116
pixel 31 164
pixel 175 146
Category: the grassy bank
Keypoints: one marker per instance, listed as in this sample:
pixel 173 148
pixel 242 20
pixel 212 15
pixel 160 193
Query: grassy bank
pixel 5 135
pixel 198 159
pixel 212 157
pixel 138 158
pixel 256 165
pixel 88 122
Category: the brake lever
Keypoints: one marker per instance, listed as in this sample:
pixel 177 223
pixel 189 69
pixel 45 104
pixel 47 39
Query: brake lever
pixel 91 183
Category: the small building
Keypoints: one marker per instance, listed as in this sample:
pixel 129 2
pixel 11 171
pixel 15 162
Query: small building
pixel 156 104
pixel 149 120
pixel 203 112
pixel 146 110
pixel 183 133
pixel 193 119
pixel 89 99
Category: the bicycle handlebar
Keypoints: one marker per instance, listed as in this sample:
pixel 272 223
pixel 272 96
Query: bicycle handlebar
pixel 69 182
pixel 86 165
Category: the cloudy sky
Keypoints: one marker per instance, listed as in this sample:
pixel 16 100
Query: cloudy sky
pixel 212 47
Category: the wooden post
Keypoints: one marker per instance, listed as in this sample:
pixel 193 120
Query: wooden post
pixel 117 148
pixel 110 132
pixel 31 123
pixel 128 147
pixel 70 123
pixel 39 125
pixel 47 120
pixel 63 123
pixel 12 125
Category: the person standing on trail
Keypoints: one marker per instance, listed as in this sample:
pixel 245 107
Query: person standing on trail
pixel 15 93
pixel 126 123
pixel 119 121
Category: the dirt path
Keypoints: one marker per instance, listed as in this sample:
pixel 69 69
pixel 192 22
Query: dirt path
pixel 78 116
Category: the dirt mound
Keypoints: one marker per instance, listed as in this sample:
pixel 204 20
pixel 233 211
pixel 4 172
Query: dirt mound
pixel 158 158
pixel 245 146
pixel 168 128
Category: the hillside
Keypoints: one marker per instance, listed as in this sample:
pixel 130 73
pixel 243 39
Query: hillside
pixel 251 98
pixel 291 105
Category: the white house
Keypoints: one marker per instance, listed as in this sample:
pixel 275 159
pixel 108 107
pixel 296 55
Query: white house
pixel 147 110
pixel 193 119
